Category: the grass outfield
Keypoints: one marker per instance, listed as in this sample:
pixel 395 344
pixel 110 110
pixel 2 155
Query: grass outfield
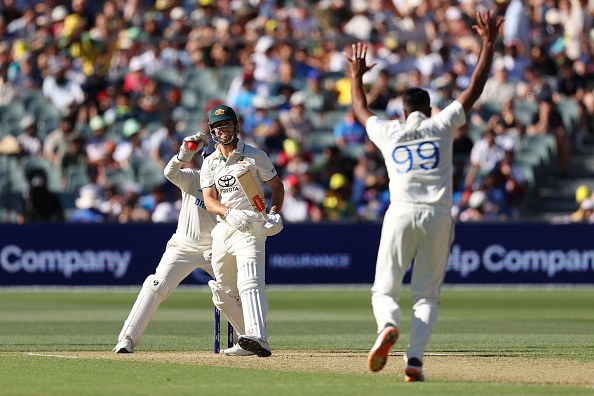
pixel 492 342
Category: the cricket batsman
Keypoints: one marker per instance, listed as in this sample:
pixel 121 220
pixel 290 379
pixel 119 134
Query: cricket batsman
pixel 189 247
pixel 418 225
pixel 239 238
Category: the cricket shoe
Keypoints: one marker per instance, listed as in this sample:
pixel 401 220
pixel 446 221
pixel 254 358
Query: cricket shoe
pixel 379 353
pixel 414 371
pixel 255 345
pixel 237 350
pixel 124 346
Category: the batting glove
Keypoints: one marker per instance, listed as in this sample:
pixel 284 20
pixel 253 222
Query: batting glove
pixel 240 219
pixel 273 226
pixel 185 154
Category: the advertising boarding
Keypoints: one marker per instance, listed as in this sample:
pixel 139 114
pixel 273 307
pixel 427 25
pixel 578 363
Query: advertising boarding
pixel 320 254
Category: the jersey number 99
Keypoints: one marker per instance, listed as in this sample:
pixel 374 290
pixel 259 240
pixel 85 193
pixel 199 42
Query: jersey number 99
pixel 426 157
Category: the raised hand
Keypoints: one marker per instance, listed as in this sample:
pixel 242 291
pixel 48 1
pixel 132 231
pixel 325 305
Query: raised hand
pixel 487 27
pixel 357 64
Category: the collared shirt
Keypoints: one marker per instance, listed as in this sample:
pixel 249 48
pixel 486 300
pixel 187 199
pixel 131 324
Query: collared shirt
pixel 418 154
pixel 221 173
pixel 195 222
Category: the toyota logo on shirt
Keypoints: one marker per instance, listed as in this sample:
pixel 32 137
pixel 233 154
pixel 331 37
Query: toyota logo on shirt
pixel 227 181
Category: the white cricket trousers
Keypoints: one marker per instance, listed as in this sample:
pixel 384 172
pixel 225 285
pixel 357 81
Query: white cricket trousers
pixel 422 233
pixel 238 262
pixel 181 257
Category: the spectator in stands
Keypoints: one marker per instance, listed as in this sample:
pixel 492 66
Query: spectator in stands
pixel 150 104
pixel 247 73
pixel 375 199
pixel 547 120
pixel 359 25
pixel 581 194
pixel 572 86
pixel 515 62
pixel 87 208
pixel 310 188
pixel 503 137
pixel 121 110
pixel 350 131
pixel 65 93
pixel 96 148
pixel 530 86
pixel 131 211
pixel 435 60
pixel 8 92
pixel 498 87
pixel 295 206
pixel 27 77
pixel 133 145
pixel 293 158
pixel 317 99
pixel 380 92
pixel 295 121
pixel 462 146
pixel 516 30
pixel 38 204
pixel 258 124
pixel 23 27
pixel 587 207
pixel 334 163
pixel 512 181
pixel 165 142
pixel 174 107
pixel 28 139
pixel 56 142
pixel 135 80
pixel 76 154
pixel 149 202
pixel 265 60
pixel 484 157
pixel 396 56
pixel 286 81
pixel 474 210
pixel 512 124
pixel 242 101
pixel 337 204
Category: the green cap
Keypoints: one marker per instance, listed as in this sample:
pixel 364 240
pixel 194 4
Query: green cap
pixel 221 113
pixel 131 126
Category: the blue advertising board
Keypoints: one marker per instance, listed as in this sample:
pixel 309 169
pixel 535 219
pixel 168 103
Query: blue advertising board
pixel 110 254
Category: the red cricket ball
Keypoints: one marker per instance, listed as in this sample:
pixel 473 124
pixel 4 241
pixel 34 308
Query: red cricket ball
pixel 191 145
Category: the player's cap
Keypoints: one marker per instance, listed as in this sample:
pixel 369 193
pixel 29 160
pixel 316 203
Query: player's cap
pixel 221 113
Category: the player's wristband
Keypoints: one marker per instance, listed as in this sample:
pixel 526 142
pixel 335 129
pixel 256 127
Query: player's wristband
pixel 227 212
pixel 272 212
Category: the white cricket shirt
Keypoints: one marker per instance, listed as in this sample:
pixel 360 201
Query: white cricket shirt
pixel 418 154
pixel 221 173
pixel 195 222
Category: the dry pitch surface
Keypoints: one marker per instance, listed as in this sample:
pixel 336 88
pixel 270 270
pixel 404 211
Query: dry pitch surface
pixel 451 367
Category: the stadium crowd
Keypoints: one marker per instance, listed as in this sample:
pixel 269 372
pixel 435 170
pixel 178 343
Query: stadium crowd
pixel 96 96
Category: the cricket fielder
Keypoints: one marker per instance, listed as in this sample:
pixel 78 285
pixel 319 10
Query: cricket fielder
pixel 418 225
pixel 189 247
pixel 239 238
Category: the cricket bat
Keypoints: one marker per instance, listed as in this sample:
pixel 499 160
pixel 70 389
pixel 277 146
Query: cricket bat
pixel 252 192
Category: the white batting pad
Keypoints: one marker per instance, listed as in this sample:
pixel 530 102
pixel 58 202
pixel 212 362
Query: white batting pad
pixel 153 292
pixel 255 307
pixel 229 306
